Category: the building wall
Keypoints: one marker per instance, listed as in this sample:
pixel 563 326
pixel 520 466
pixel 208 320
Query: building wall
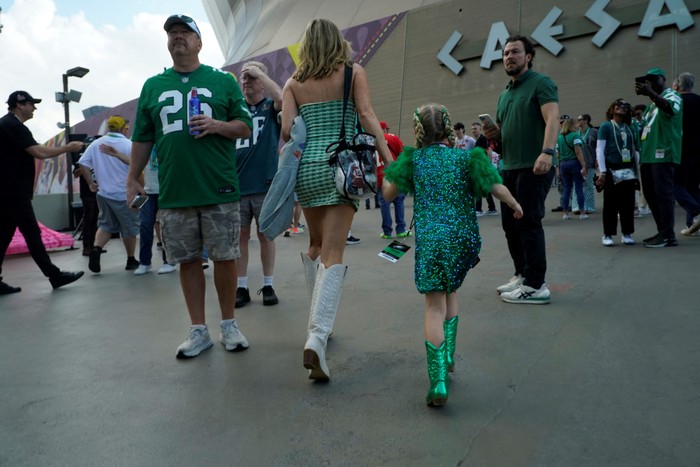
pixel 406 73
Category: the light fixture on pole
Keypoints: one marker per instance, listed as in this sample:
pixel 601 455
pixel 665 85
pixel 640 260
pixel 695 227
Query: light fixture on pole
pixel 65 98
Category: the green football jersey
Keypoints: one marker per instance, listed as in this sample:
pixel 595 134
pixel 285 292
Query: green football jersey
pixel 192 171
pixel 661 135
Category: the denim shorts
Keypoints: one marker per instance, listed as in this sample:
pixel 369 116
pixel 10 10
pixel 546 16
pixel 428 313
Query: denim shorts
pixel 186 231
pixel 115 216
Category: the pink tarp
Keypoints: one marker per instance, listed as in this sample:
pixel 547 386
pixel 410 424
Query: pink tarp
pixel 52 240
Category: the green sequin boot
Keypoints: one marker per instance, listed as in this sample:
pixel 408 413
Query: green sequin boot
pixel 450 327
pixel 439 378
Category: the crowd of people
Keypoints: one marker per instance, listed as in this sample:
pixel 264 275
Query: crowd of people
pixel 204 201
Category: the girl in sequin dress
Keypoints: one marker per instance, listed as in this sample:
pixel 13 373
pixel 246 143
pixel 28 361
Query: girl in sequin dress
pixel 444 181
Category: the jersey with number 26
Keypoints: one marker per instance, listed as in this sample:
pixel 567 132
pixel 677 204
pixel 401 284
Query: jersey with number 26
pixel 192 171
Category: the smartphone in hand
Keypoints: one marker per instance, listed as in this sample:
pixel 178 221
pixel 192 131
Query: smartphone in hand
pixel 138 201
pixel 487 120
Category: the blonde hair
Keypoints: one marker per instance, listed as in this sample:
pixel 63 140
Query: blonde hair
pixel 431 124
pixel 322 49
pixel 567 126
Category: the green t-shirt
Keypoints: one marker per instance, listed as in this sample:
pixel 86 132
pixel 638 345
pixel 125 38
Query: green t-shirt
pixel 566 144
pixel 662 134
pixel 191 172
pixel 520 116
pixel 618 138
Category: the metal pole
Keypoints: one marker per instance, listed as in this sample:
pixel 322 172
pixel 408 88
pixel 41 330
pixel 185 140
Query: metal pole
pixel 68 157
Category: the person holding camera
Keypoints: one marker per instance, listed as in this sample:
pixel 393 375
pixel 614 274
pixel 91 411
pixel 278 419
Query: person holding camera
pixel 660 152
pixel 108 159
pixel 615 152
pixel 17 188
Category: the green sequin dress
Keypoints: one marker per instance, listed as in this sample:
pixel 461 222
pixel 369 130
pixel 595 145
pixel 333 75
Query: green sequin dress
pixel 444 182
pixel 316 179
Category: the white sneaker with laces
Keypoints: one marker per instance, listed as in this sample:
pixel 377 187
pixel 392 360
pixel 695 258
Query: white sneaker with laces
pixel 583 217
pixel 142 269
pixel 232 337
pixel 607 240
pixel 511 285
pixel 167 268
pixel 695 226
pixel 527 295
pixel 627 239
pixel 197 341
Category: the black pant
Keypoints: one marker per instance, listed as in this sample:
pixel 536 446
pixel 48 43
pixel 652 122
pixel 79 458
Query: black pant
pixel 618 199
pixel 19 213
pixel 657 183
pixel 525 236
pixel 489 201
pixel 90 213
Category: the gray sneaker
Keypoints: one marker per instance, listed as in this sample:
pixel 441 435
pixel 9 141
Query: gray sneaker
pixel 232 337
pixel 197 341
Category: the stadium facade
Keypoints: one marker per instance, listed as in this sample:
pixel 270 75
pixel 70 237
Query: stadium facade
pixel 449 51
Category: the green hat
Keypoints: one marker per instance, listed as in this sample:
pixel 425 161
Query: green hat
pixel 656 72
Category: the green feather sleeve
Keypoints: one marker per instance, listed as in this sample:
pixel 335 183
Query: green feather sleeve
pixel 401 171
pixel 483 174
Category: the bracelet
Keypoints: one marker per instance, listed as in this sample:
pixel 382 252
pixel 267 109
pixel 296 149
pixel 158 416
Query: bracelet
pixel 548 151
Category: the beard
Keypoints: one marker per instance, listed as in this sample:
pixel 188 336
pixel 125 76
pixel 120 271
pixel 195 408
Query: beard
pixel 515 71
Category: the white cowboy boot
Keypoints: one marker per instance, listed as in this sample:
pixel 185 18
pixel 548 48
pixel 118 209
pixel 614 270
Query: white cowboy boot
pixel 324 305
pixel 310 269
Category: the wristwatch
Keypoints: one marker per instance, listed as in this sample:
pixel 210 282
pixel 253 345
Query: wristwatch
pixel 548 151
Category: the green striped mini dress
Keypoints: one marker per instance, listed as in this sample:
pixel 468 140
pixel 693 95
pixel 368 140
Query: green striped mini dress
pixel 316 179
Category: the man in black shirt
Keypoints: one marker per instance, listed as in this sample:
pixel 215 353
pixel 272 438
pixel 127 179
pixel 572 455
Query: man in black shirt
pixel 18 149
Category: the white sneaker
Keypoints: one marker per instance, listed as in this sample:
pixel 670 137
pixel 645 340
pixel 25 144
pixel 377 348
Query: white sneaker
pixel 511 285
pixel 527 295
pixel 232 337
pixel 627 239
pixel 197 341
pixel 479 213
pixel 583 217
pixel 608 241
pixel 686 232
pixel 695 225
pixel 566 217
pixel 167 268
pixel 142 269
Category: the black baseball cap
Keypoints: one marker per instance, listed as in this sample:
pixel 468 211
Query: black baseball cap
pixel 20 97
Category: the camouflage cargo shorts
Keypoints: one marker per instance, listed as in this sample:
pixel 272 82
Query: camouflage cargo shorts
pixel 186 231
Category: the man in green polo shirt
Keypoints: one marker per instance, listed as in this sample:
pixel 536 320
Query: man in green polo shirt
pixel 528 117
pixel 662 127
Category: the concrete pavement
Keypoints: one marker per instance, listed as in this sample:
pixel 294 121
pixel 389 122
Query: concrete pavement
pixel 607 374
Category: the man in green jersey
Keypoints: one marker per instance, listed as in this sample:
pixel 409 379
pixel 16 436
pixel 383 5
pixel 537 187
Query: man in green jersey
pixel 199 194
pixel 527 126
pixel 660 152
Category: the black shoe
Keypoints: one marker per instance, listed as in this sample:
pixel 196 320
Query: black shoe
pixel 131 263
pixel 242 297
pixel 8 289
pixel 269 297
pixel 352 240
pixel 557 209
pixel 661 243
pixel 652 239
pixel 94 263
pixel 64 278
